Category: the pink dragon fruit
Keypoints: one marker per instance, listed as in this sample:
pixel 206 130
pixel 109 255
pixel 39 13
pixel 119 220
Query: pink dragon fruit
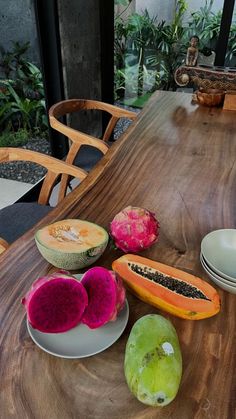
pixel 134 229
pixel 55 303
pixel 106 297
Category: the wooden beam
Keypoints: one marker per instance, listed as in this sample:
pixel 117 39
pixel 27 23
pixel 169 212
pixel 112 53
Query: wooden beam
pixel 50 52
pixel 226 21
pixel 106 11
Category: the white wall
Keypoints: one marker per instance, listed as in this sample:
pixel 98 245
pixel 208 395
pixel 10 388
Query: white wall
pixel 164 8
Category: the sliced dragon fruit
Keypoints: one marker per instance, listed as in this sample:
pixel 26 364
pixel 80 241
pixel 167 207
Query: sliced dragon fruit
pixel 120 295
pixel 106 297
pixel 55 303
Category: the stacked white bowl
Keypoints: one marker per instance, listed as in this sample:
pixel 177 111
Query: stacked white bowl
pixel 218 258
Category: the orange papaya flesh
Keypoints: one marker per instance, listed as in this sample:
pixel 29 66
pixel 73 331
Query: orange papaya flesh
pixel 168 288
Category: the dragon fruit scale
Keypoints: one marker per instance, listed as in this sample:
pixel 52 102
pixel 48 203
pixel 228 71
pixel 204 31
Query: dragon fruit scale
pixel 134 229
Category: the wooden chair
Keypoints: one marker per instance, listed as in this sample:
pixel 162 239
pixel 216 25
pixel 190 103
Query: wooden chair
pixel 3 245
pixel 93 148
pixel 17 218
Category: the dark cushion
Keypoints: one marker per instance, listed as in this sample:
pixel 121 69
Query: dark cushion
pixel 18 218
pixel 88 157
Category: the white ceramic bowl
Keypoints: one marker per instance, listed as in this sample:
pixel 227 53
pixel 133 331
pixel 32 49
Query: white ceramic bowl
pixel 218 282
pixel 220 278
pixel 219 251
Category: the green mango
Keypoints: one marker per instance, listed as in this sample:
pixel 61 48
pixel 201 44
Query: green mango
pixel 153 361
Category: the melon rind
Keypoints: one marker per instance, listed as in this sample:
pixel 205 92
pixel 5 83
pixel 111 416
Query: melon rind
pixel 72 260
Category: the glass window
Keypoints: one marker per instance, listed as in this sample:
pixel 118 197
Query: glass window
pixel 230 59
pixel 152 38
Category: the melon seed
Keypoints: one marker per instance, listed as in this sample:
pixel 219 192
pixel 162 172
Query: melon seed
pixel 173 284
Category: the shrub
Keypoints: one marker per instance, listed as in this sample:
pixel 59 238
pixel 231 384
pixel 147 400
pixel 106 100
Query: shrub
pixel 22 103
pixel 14 139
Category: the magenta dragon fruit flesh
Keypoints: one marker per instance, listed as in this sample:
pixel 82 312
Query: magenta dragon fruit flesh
pixel 134 229
pixel 55 303
pixel 106 297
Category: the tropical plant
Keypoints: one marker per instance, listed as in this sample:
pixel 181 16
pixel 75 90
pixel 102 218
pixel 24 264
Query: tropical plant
pixel 170 47
pixel 142 34
pixel 231 52
pixel 14 139
pixel 122 33
pixel 201 18
pixel 22 103
pixel 156 44
pixel 29 81
pixel 133 38
pixel 150 80
pixel 119 84
pixel 20 112
pixel 180 8
pixel 206 24
pixel 11 60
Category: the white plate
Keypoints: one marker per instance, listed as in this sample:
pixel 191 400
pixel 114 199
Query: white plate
pixel 220 284
pixel 219 250
pixel 81 342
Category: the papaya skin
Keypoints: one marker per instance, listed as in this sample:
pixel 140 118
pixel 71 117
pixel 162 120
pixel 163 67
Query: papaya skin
pixel 163 298
pixel 153 374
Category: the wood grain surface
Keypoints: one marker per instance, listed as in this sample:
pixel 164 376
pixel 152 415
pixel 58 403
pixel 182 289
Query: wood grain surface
pixel 178 160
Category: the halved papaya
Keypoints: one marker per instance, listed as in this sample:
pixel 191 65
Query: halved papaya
pixel 168 288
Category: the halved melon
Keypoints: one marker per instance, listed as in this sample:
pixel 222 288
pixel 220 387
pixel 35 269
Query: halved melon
pixel 71 244
pixel 168 288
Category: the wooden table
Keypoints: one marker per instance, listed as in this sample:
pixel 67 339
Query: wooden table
pixel 178 160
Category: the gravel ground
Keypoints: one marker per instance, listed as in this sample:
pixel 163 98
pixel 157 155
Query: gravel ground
pixel 30 172
pixel 26 172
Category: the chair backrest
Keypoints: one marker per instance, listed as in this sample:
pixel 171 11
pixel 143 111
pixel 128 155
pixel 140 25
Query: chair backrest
pixel 79 138
pixel 75 105
pixel 54 167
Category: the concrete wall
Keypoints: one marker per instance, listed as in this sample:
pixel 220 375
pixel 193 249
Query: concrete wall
pixel 81 54
pixel 80 40
pixel 17 23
